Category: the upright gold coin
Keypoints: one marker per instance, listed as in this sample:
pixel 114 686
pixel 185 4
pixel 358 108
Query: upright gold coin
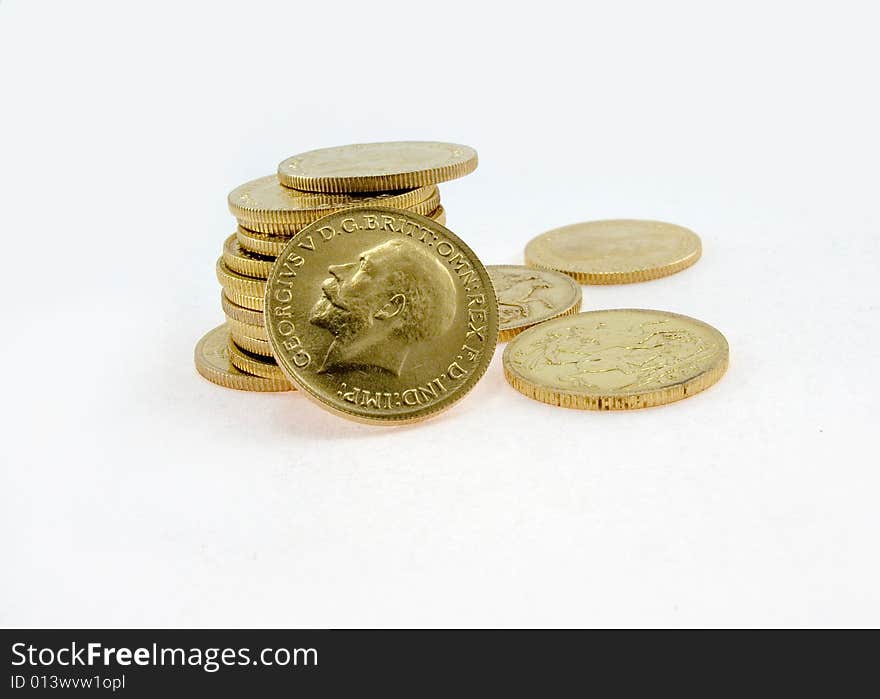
pixel 381 315
pixel 213 362
pixel 245 262
pixel 616 360
pixel 264 205
pixel 373 167
pixel 251 363
pixel 529 296
pixel 615 251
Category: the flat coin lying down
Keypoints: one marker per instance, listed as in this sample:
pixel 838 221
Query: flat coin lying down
pixel 372 167
pixel 380 315
pixel 616 251
pixel 616 359
pixel 212 358
pixel 529 296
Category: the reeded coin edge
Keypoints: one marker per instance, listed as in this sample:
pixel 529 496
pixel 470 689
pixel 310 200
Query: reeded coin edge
pixel 628 277
pixel 255 365
pixel 377 183
pixel 425 413
pixel 240 313
pixel 567 398
pixel 239 283
pixel 505 334
pixel 239 381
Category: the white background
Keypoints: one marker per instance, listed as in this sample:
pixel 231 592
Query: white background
pixel 136 493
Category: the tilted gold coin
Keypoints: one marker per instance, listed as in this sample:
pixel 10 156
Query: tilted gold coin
pixel 265 205
pixel 250 302
pixel 271 245
pixel 240 313
pixel 373 167
pixel 423 206
pixel 381 315
pixel 616 360
pixel 239 283
pixel 245 262
pixel 212 358
pixel 251 363
pixel 529 296
pixel 251 344
pixel 615 251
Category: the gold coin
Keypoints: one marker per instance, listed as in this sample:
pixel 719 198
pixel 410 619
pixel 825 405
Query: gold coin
pixel 529 296
pixel 212 359
pixel 381 315
pixel 250 302
pixel 615 251
pixel 251 344
pixel 616 360
pixel 240 313
pixel 245 262
pixel 373 167
pixel 439 215
pixel 251 363
pixel 265 205
pixel 254 332
pixel 288 229
pixel 271 245
pixel 239 283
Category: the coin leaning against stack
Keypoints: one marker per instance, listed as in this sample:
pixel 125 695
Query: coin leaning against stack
pixel 272 209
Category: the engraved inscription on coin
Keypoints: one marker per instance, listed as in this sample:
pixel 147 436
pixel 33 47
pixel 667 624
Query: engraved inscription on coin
pixel 529 296
pixel 380 315
pixel 615 251
pixel 372 167
pixel 616 359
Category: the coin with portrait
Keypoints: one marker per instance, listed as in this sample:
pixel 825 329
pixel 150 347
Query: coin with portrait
pixel 381 315
pixel 529 296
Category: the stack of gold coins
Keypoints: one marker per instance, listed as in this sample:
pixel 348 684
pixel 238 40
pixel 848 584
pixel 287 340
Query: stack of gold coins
pixel 307 187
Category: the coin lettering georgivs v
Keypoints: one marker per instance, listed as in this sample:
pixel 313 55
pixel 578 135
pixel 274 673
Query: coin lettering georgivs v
pixel 615 251
pixel 212 358
pixel 271 245
pixel 616 359
pixel 373 167
pixel 529 296
pixel 381 315
pixel 265 202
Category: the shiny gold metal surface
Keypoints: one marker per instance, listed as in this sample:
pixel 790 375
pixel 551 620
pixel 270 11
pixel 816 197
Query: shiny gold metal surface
pixel 239 283
pixel 424 206
pixel 240 313
pixel 269 244
pixel 212 359
pixel 616 360
pixel 245 262
pixel 381 315
pixel 615 251
pixel 250 302
pixel 254 332
pixel 264 202
pixel 373 167
pixel 529 296
pixel 251 344
pixel 256 365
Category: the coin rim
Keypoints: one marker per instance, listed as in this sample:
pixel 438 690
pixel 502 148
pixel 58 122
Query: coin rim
pixel 436 408
pixel 622 277
pixel 568 398
pixel 377 183
pixel 508 333
pixel 241 381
